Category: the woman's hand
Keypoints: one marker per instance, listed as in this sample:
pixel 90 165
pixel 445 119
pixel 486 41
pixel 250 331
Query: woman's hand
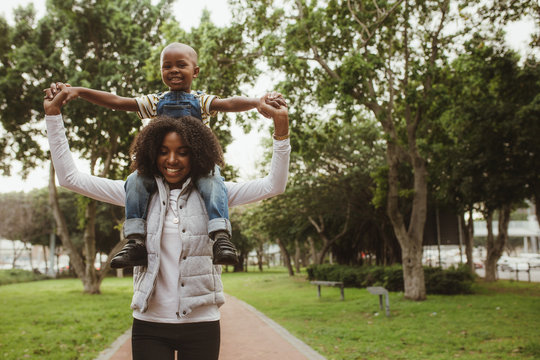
pixel 274 99
pixel 279 114
pixel 55 97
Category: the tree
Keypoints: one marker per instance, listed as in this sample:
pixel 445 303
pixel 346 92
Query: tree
pixel 328 203
pixel 484 159
pixel 380 57
pixel 108 45
pixel 105 42
pixel 96 45
pixel 366 55
pixel 24 50
pixel 331 187
pixel 15 211
pixel 241 238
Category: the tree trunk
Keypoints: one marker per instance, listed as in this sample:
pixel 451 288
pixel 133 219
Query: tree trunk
pixel 76 261
pixel 469 238
pixel 30 255
pixel 16 254
pixel 537 208
pixel 495 246
pixel 286 257
pixel 44 249
pixel 259 250
pixel 91 279
pixel 313 250
pixel 410 238
pixel 305 254
pixel 327 243
pixel 297 255
pixel 239 266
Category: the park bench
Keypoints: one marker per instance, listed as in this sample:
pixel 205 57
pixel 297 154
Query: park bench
pixel 378 290
pixel 329 283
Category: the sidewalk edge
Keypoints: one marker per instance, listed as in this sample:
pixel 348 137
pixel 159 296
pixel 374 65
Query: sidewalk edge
pixel 111 350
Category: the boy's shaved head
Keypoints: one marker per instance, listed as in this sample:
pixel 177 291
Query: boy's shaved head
pixel 184 48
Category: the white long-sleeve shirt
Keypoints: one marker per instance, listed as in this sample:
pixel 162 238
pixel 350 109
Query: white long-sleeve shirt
pixel 112 191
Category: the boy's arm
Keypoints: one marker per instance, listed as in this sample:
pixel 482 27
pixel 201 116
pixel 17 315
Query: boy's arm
pixel 234 104
pixel 242 103
pixel 97 97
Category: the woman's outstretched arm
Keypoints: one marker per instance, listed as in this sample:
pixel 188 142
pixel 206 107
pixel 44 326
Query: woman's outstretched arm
pixel 111 191
pixel 275 182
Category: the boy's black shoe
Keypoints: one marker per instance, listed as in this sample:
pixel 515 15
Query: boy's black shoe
pixel 132 254
pixel 223 250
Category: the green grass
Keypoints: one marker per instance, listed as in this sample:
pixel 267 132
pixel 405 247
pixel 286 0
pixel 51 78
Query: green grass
pixel 500 321
pixel 53 319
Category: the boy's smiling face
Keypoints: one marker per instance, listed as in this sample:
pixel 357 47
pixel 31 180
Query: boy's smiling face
pixel 179 67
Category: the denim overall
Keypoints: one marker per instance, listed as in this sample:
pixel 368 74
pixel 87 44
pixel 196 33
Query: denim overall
pixel 212 188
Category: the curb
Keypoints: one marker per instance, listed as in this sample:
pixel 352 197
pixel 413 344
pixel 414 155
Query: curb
pixel 111 350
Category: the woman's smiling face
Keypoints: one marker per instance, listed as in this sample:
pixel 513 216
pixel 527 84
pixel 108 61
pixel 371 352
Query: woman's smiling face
pixel 174 160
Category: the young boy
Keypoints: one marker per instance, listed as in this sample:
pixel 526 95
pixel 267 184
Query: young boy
pixel 178 69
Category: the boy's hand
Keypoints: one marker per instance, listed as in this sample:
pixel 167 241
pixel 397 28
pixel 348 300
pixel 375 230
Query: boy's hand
pixel 279 114
pixel 272 99
pixel 55 88
pixel 55 98
pixel 275 99
pixel 271 105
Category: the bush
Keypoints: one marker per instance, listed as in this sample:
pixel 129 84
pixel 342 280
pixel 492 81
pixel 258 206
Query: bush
pixel 438 281
pixel 448 282
pixel 17 276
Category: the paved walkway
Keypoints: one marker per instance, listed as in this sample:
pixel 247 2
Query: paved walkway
pixel 246 334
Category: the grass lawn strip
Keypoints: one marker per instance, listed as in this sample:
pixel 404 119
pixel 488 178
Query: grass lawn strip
pixel 500 322
pixel 53 319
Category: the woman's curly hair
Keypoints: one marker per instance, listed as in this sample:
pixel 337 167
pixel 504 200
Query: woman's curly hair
pixel 205 149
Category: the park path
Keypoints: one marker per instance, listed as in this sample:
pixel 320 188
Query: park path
pixel 246 334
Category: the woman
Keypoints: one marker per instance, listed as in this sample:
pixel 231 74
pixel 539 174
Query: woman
pixel 177 296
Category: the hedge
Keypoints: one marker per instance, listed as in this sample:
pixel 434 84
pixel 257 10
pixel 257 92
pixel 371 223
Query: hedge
pixel 14 276
pixel 438 281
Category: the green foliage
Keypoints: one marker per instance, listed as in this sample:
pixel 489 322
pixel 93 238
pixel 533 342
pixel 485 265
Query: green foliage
pixel 482 147
pixel 330 172
pixel 18 276
pixel 110 45
pixel 356 61
pixel 455 280
pixel 450 281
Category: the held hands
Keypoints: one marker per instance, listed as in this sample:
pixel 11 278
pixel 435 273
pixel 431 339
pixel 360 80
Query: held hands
pixel 270 102
pixel 56 96
pixel 272 105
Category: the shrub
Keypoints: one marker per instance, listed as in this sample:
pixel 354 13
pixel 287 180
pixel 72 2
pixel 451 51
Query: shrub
pixel 438 281
pixel 17 276
pixel 393 278
pixel 448 282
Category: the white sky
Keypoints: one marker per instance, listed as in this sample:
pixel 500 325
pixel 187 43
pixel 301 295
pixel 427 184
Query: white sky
pixel 245 152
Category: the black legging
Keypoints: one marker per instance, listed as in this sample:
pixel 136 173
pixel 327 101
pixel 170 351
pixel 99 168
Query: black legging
pixel 158 341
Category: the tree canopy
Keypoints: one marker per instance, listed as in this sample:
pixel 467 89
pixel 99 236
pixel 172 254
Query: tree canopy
pixel 393 104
